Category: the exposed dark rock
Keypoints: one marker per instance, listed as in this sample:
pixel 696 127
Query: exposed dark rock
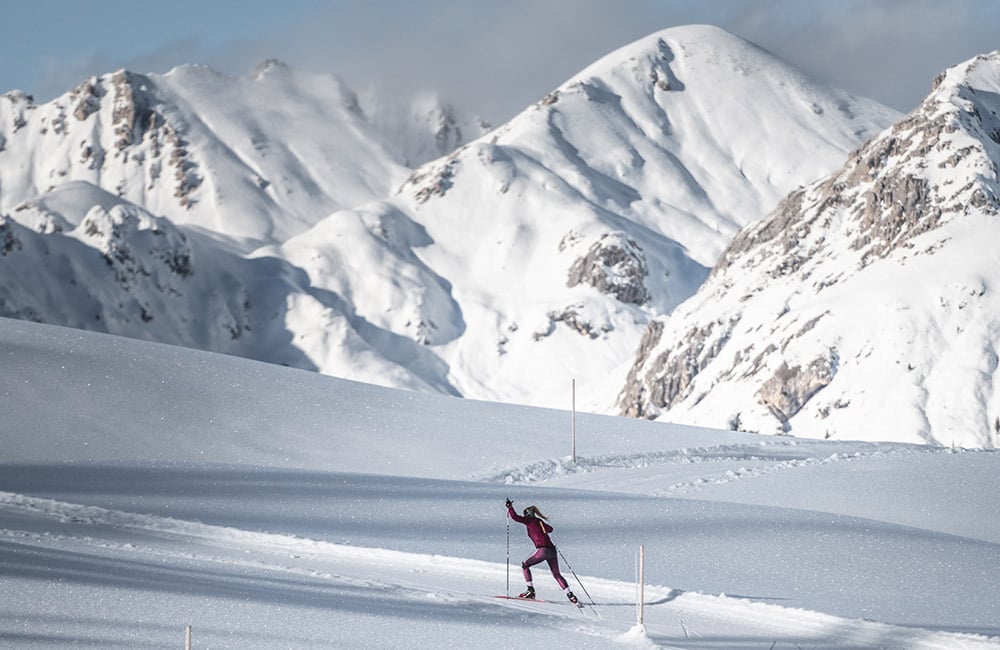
pixel 88 98
pixel 614 265
pixel 573 319
pixel 788 390
pixel 661 382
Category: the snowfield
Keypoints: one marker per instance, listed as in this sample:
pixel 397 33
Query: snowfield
pixel 145 488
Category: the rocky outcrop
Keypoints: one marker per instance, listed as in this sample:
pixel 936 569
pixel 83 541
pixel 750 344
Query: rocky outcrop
pixel 614 265
pixel 8 239
pixel 86 98
pixel 658 381
pixel 132 115
pixel 789 388
pixel 131 241
pixel 432 180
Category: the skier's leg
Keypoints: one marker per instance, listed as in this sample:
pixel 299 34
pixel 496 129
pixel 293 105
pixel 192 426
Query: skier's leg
pixel 553 561
pixel 538 556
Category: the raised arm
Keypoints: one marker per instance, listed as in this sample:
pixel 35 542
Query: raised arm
pixel 513 515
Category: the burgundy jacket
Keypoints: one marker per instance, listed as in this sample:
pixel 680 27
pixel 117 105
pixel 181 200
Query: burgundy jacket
pixel 538 530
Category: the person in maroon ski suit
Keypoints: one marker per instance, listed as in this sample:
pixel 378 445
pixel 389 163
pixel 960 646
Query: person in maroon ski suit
pixel 545 550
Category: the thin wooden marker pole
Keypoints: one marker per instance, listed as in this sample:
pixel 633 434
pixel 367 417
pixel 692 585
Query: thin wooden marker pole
pixel 187 638
pixel 642 581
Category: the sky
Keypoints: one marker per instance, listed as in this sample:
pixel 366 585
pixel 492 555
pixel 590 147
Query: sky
pixel 490 58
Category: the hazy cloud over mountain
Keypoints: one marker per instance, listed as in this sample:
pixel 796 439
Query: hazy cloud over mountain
pixel 496 59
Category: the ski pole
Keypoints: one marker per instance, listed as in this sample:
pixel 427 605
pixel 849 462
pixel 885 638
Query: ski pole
pixel 507 517
pixel 566 562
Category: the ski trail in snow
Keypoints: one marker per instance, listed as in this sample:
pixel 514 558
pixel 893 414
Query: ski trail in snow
pixel 673 618
pixel 768 458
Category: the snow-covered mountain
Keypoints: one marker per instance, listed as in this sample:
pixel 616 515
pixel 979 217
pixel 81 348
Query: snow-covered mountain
pixel 129 204
pixel 867 301
pixel 537 253
pixel 122 270
pixel 275 216
pixel 252 160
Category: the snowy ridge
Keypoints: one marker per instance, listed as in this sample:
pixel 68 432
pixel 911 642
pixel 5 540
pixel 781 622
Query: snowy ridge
pixel 866 301
pixel 125 271
pixel 252 160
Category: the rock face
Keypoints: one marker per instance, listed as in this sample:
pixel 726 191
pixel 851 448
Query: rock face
pixel 788 389
pixel 130 239
pixel 670 375
pixel 614 265
pixel 866 300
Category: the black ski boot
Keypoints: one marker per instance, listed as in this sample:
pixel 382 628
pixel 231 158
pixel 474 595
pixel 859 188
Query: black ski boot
pixel 573 599
pixel 528 594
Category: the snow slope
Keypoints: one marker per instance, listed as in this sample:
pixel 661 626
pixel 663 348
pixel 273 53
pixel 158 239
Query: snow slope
pixel 866 303
pixel 145 488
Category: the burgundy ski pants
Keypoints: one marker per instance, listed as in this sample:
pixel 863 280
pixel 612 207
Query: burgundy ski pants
pixel 544 554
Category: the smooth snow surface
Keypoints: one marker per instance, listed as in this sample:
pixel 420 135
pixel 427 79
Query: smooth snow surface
pixel 144 488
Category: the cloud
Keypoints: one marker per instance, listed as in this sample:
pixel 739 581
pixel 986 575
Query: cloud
pixel 495 59
pixel 498 58
pixel 889 51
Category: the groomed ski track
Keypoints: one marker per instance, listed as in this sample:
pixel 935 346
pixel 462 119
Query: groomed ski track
pixel 153 555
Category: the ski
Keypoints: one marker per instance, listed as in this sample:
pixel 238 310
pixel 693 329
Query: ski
pixel 526 600
pixel 578 605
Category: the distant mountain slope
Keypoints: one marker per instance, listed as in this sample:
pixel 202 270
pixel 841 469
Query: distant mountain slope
pixel 252 160
pixel 124 271
pixel 528 257
pixel 537 253
pixel 867 302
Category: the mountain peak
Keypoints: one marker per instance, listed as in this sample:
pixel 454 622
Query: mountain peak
pixel 270 64
pixel 601 204
pixel 978 72
pixel 699 49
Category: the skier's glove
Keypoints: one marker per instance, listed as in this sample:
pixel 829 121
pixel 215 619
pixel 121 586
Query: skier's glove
pixel 509 503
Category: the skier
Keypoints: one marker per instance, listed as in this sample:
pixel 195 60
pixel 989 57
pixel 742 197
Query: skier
pixel 538 531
